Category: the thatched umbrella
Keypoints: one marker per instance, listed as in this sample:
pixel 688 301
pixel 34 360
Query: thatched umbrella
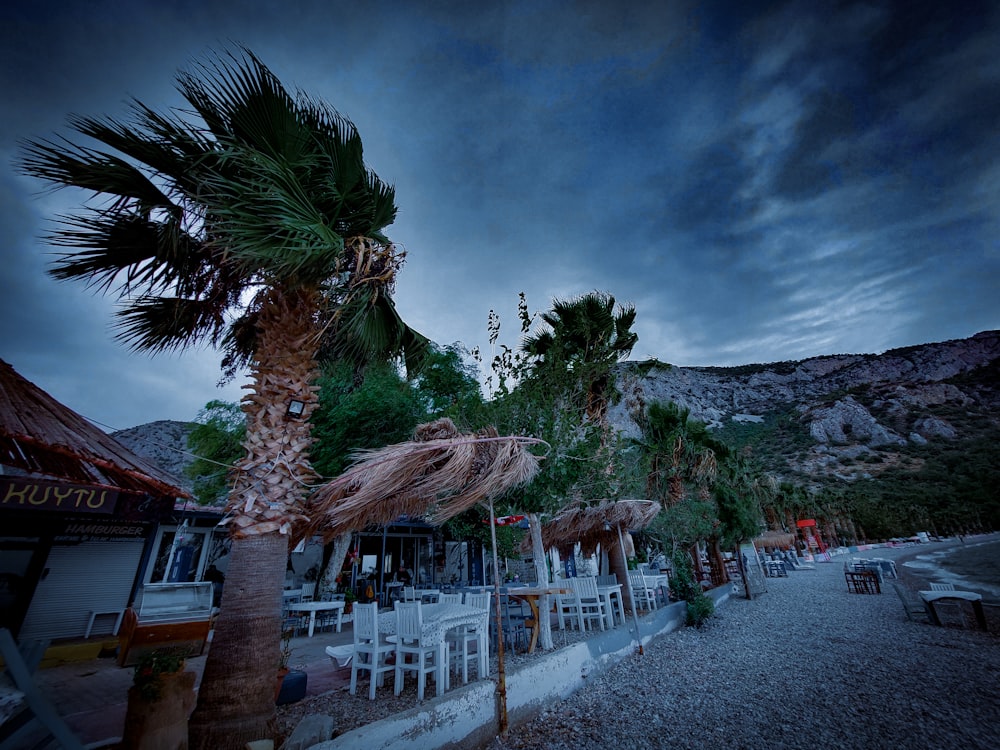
pixel 775 538
pixel 438 475
pixel 599 524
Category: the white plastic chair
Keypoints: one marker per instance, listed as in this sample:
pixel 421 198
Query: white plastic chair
pixel 449 599
pixel 591 603
pixel 409 642
pixel 942 587
pixel 459 640
pixel 370 648
pixel 645 597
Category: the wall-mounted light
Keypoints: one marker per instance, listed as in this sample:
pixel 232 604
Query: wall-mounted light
pixel 607 526
pixel 295 409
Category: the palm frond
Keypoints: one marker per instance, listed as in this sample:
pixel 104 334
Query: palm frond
pixel 439 474
pixel 160 324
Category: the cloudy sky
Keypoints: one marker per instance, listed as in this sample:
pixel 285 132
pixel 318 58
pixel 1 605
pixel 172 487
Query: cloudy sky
pixel 762 181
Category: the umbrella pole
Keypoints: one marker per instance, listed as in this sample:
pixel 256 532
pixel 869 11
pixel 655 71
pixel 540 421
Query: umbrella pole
pixel 501 673
pixel 631 593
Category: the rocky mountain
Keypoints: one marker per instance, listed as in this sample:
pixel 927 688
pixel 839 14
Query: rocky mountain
pixel 842 417
pixel 164 443
pixel 818 421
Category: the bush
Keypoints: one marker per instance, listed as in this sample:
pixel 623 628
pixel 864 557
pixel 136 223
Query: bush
pixel 683 586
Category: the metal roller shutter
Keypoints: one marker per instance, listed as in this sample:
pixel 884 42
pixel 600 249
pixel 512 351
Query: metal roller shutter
pixel 93 576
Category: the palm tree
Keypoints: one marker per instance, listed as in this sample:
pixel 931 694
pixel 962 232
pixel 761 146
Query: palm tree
pixel 587 337
pixel 571 365
pixel 258 229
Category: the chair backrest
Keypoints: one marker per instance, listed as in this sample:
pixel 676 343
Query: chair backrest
pixel 409 621
pixel 942 587
pixel 607 580
pixel 449 598
pixel 409 593
pixel 586 587
pixel 637 579
pixel 365 622
pixel 479 601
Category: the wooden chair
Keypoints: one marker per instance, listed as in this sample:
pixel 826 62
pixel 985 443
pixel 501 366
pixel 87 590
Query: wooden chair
pixel 449 598
pixel 645 597
pixel 568 609
pixel 409 642
pixel 370 648
pixel 942 586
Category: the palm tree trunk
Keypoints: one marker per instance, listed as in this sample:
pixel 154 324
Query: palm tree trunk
pixel 236 696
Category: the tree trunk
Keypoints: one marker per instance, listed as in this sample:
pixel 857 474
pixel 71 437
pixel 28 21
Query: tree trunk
pixel 619 568
pixel 236 697
pixel 542 576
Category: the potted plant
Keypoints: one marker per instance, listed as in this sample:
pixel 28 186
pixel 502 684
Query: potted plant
pixel 283 656
pixel 349 598
pixel 159 702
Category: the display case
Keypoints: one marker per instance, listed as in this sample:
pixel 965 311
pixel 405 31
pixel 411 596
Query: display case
pixel 174 614
pixel 175 602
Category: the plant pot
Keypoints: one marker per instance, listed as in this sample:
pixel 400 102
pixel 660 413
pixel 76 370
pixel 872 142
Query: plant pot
pixel 282 671
pixel 160 723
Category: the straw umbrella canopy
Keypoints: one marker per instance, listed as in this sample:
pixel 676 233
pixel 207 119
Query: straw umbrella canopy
pixel 601 524
pixel 775 538
pixel 437 475
pixel 595 525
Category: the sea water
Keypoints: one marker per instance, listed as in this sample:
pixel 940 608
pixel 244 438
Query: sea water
pixel 973 566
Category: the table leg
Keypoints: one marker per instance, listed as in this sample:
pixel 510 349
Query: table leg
pixel 533 603
pixel 443 668
pixel 340 618
pixel 312 622
pixel 977 607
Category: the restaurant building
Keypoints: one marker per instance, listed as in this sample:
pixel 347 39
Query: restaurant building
pixel 79 516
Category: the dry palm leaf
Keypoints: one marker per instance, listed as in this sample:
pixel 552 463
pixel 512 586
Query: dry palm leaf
pixel 439 474
pixel 597 524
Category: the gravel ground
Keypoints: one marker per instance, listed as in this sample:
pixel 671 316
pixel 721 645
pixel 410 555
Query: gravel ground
pixel 804 665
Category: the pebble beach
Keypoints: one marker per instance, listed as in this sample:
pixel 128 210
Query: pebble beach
pixel 805 665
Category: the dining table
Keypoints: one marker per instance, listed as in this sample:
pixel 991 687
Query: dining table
pixel 531 595
pixel 608 592
pixel 436 620
pixel 930 597
pixel 313 607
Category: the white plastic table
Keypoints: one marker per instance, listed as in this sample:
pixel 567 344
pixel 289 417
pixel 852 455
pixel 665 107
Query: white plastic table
pixel 607 592
pixel 929 597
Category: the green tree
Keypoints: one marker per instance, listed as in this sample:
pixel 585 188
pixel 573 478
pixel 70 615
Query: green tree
pixel 249 220
pixel 586 335
pixel 561 394
pixel 382 408
pixel 217 442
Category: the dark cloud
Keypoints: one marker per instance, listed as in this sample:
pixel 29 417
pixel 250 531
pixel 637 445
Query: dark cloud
pixel 764 180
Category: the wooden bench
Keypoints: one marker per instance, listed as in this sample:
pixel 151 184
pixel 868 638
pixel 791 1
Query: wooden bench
pixel 862 582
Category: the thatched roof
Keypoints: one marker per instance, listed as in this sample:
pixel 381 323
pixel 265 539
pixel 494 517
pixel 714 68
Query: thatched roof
pixel 586 524
pixel 775 538
pixel 41 436
pixel 439 474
